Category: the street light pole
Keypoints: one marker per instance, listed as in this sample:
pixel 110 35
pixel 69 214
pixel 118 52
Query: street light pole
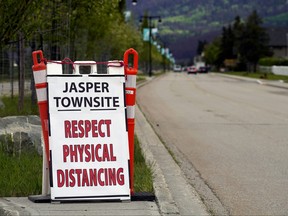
pixel 150 46
pixel 150 18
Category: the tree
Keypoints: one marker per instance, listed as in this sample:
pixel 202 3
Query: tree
pixel 238 32
pixel 254 41
pixel 14 28
pixel 237 28
pixel 227 43
pixel 212 53
pixel 82 29
pixel 245 41
pixel 201 45
pixel 14 15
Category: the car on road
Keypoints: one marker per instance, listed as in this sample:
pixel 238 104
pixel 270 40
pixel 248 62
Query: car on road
pixel 192 70
pixel 177 68
pixel 203 69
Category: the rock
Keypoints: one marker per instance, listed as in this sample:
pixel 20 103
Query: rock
pixel 2 105
pixel 21 133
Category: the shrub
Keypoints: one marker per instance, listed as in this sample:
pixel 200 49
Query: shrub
pixel 270 61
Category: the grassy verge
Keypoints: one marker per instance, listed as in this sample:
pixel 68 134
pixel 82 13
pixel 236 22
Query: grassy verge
pixel 257 75
pixel 21 175
pixel 11 106
pixel 140 78
pixel 143 181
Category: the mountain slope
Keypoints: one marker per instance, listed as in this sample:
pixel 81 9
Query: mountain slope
pixel 188 21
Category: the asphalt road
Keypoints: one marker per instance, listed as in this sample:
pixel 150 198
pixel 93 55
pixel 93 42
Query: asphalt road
pixel 229 136
pixel 6 88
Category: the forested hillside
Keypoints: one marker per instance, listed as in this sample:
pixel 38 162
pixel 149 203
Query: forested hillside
pixel 187 21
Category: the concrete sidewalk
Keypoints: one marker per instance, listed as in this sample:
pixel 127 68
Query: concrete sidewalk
pixel 174 196
pixel 20 206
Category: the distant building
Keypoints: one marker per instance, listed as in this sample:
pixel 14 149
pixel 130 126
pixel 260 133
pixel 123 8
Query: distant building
pixel 278 41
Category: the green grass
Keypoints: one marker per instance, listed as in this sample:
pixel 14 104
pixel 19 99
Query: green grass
pixel 140 78
pixel 11 106
pixel 258 75
pixel 143 181
pixel 21 175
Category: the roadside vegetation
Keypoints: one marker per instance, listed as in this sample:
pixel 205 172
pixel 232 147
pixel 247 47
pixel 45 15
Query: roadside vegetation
pixel 241 45
pixel 11 106
pixel 21 174
pixel 79 30
pixel 259 75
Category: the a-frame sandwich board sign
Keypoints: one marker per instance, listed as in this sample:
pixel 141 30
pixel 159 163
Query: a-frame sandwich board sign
pixel 88 135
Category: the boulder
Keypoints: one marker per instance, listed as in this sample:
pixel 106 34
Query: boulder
pixel 2 105
pixel 21 133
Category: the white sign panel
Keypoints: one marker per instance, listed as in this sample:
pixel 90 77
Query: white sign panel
pixel 88 137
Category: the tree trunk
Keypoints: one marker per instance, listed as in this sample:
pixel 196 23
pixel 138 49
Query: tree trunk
pixel 254 67
pixel 21 57
pixel 12 72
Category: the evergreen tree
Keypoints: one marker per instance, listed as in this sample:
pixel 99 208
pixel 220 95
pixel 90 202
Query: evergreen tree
pixel 254 41
pixel 201 45
pixel 238 30
pixel 238 27
pixel 227 43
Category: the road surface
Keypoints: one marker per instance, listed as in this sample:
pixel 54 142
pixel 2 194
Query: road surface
pixel 229 136
pixel 6 88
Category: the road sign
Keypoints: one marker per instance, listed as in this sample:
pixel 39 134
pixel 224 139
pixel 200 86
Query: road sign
pixel 88 135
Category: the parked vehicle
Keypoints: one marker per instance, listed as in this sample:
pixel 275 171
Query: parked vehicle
pixel 203 69
pixel 177 68
pixel 184 68
pixel 192 70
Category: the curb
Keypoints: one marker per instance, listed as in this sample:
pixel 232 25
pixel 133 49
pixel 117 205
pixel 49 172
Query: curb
pixel 276 84
pixel 163 196
pixel 174 195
